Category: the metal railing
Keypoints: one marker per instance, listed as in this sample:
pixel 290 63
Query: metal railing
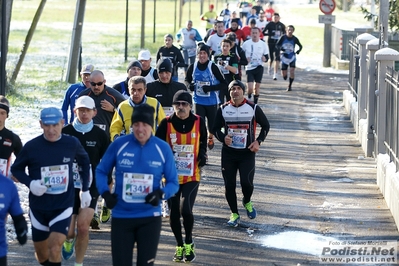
pixel 354 68
pixel 392 110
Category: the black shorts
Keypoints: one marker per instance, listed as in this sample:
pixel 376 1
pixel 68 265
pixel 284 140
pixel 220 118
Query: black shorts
pixel 93 203
pixel 255 74
pixel 45 222
pixel 285 66
pixel 273 52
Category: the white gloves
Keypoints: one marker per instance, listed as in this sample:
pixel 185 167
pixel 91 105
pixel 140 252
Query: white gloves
pixel 85 199
pixel 37 188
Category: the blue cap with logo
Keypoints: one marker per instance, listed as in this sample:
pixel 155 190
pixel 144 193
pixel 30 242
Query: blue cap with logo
pixel 50 116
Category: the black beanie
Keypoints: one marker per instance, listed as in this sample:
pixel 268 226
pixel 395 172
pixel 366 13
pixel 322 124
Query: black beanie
pixel 4 104
pixel 183 95
pixel 203 47
pixel 236 20
pixel 143 113
pixel 134 63
pixel 164 65
pixel 236 83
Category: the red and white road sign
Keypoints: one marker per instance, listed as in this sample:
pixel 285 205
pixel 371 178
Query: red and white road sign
pixel 327 6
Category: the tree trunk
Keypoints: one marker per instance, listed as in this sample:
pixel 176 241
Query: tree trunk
pixel 4 43
pixel 28 39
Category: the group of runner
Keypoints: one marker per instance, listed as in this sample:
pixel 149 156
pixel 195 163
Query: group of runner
pixel 141 143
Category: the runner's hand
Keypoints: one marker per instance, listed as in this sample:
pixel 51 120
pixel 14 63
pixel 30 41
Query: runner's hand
pixel 37 188
pixel 154 197
pixel 85 199
pixel 110 199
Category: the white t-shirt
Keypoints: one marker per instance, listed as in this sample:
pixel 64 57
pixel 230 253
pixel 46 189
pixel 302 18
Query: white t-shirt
pixel 214 42
pixel 254 52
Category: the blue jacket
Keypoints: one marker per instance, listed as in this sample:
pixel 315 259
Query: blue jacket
pixel 71 94
pixel 9 203
pixel 148 164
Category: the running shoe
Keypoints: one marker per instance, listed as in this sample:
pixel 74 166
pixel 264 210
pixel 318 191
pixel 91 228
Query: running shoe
pixel 234 220
pixel 274 77
pixel 105 214
pixel 179 256
pixel 68 248
pixel 289 88
pixel 211 144
pixel 251 212
pixel 95 222
pixel 189 253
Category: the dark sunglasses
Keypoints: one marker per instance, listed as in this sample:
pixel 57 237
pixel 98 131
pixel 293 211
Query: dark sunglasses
pixel 184 104
pixel 98 83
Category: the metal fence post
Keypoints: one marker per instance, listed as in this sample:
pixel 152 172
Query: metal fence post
pixel 372 46
pixel 362 40
pixel 385 57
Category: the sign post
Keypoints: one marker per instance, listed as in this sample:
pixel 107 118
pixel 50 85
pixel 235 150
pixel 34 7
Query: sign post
pixel 327 7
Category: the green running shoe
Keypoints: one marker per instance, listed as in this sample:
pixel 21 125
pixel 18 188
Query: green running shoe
pixel 189 253
pixel 105 214
pixel 68 248
pixel 178 257
pixel 251 212
pixel 234 220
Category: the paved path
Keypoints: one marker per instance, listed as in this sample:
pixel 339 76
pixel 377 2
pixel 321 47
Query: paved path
pixel 312 185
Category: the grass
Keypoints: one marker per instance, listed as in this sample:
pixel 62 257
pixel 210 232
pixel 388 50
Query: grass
pixel 44 69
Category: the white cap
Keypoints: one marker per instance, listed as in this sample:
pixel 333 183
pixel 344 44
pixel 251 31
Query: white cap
pixel 85 102
pixel 144 55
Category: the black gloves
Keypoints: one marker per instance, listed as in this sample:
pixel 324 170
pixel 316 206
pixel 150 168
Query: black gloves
pixel 266 57
pixel 202 160
pixel 154 197
pixel 297 52
pixel 191 87
pixel 110 199
pixel 21 228
pixel 206 88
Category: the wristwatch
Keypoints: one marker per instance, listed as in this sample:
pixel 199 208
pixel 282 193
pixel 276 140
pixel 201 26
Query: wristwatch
pixel 259 141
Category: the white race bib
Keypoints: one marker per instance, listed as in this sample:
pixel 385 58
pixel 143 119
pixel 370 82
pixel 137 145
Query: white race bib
pixel 3 167
pixel 55 178
pixel 136 187
pixel 77 181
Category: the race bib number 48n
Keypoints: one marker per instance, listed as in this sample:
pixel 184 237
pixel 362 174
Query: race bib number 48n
pixel 136 187
pixel 3 167
pixel 55 178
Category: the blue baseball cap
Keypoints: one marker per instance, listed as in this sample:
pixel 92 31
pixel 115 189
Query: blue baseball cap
pixel 50 116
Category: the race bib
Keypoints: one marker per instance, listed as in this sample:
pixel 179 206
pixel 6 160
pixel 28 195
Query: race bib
pixel 168 111
pixel 136 187
pixel 255 62
pixel 55 178
pixel 77 181
pixel 3 167
pixel 239 135
pixel 184 159
pixel 200 91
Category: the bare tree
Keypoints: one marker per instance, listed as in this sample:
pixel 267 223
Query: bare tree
pixel 28 39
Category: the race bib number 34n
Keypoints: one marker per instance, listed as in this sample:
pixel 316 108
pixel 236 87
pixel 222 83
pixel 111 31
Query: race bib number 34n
pixel 136 187
pixel 55 178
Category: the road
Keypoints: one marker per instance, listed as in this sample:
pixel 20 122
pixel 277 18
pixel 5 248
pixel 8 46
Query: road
pixel 312 186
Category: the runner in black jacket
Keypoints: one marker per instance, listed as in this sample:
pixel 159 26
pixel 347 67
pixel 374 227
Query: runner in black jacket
pixel 173 53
